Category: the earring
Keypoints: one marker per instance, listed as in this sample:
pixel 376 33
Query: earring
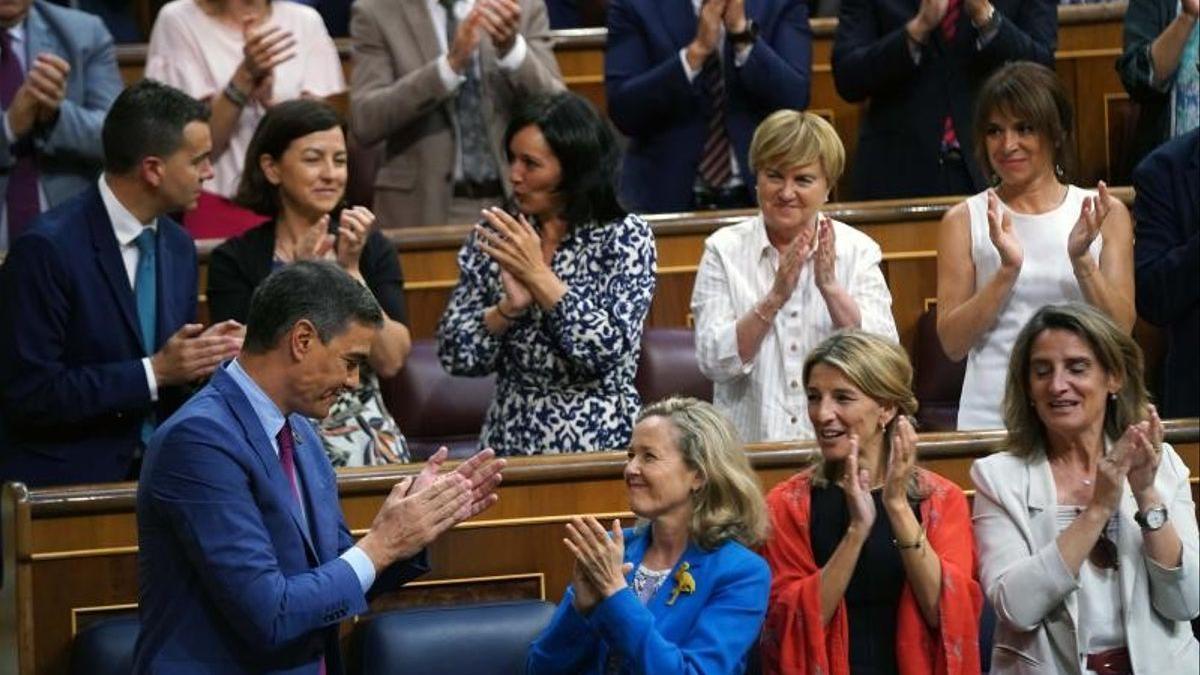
pixel 1058 170
pixel 1112 397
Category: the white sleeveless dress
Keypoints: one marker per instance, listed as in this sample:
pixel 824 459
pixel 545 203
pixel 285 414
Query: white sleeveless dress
pixel 1046 278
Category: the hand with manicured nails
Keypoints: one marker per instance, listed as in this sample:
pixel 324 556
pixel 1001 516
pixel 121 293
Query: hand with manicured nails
pixel 601 558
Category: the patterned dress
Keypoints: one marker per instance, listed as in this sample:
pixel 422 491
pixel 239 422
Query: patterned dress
pixel 564 376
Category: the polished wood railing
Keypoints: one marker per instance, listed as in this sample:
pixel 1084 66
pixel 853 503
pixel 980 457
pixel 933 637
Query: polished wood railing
pixel 70 553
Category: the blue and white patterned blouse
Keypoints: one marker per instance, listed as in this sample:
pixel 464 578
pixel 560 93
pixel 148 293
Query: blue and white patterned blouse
pixel 564 376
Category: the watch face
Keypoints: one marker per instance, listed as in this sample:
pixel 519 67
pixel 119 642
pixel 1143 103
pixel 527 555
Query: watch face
pixel 1156 518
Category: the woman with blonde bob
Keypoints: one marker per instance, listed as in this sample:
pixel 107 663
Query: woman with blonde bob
pixel 1088 545
pixel 771 287
pixel 682 591
pixel 852 591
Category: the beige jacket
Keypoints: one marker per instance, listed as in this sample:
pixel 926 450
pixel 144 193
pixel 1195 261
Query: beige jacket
pixel 396 96
pixel 1033 592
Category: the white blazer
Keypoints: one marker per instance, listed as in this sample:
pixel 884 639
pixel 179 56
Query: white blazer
pixel 1033 592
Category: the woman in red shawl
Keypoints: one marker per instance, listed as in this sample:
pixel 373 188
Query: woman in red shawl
pixel 871 558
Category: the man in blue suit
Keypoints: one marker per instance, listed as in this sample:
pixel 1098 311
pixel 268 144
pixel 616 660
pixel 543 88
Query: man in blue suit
pixel 58 77
pixel 245 563
pixel 688 81
pixel 1166 253
pixel 97 302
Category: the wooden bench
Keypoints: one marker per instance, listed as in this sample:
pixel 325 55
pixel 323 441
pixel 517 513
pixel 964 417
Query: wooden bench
pixel 70 554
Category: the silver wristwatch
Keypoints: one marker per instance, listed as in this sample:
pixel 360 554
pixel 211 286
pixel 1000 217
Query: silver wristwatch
pixel 1153 518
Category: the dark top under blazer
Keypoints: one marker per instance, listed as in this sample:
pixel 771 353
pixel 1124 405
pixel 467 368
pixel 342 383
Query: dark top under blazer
pixel 74 388
pixel 666 117
pixel 900 133
pixel 239 264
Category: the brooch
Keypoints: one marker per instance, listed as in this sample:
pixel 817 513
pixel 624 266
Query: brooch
pixel 684 583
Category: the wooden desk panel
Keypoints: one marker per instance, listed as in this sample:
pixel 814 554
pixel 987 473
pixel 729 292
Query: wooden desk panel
pixel 70 553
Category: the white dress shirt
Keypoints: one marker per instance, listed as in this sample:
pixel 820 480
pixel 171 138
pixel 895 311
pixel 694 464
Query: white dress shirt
pixel 127 227
pixel 765 397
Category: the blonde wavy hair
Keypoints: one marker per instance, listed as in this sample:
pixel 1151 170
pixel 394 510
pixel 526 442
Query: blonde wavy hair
pixel 729 504
pixel 880 369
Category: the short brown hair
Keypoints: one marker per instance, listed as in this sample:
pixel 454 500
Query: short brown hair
pixel 277 129
pixel 1116 352
pixel 791 138
pixel 1033 93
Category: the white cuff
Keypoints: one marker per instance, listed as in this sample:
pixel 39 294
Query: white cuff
pixel 151 381
pixel 687 68
pixel 363 568
pixel 450 79
pixel 515 56
pixel 741 54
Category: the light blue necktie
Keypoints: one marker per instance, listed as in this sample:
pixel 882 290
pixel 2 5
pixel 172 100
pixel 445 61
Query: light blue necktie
pixel 145 289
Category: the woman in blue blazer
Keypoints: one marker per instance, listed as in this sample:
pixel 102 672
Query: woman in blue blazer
pixel 681 592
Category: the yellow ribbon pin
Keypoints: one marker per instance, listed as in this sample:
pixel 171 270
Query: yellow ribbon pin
pixel 684 583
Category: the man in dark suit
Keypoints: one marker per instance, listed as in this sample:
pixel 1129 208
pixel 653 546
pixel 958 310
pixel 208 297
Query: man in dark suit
pixel 245 562
pixel 1166 255
pixel 921 72
pixel 58 77
pixel 688 81
pixel 97 302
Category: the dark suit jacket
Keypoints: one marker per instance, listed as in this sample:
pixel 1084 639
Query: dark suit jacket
pixel 74 389
pixel 230 579
pixel 901 129
pixel 68 150
pixel 240 264
pixel 666 117
pixel 1166 254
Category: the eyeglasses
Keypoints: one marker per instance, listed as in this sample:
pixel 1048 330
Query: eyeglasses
pixel 1104 554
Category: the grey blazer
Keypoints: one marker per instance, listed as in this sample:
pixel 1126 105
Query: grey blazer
pixel 396 96
pixel 69 152
pixel 1033 592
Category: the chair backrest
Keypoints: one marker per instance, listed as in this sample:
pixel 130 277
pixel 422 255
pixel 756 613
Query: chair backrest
pixel 105 647
pixel 477 639
pixel 667 366
pixel 937 381
pixel 434 408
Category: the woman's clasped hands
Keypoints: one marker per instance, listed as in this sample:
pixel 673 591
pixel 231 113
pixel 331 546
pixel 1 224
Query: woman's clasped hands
pixel 600 566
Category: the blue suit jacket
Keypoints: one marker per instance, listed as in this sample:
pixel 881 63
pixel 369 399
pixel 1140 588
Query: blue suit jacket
pixel 74 389
pixel 707 632
pixel 666 117
pixel 230 579
pixel 899 142
pixel 69 151
pixel 1167 256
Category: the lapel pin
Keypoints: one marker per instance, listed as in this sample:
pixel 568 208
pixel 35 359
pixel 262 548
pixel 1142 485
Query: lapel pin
pixel 684 583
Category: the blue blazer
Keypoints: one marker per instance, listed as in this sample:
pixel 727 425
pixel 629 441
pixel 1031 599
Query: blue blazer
pixel 666 117
pixel 899 142
pixel 1166 255
pixel 707 632
pixel 74 391
pixel 230 578
pixel 69 152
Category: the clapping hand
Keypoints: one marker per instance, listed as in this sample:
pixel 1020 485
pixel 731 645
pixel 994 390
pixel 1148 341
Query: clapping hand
pixel 1145 453
pixel 856 483
pixel 264 47
pixel 600 559
pixel 902 461
pixel 1091 217
pixel 355 226
pixel 791 262
pixel 1000 231
pixel 826 249
pixel 501 20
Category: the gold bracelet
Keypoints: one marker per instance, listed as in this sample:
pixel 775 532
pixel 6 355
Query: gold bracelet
pixel 915 545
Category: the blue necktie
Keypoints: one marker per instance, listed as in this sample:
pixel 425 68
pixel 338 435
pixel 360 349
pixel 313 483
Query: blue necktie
pixel 145 288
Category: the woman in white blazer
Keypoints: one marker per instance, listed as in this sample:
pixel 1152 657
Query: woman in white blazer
pixel 1085 526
